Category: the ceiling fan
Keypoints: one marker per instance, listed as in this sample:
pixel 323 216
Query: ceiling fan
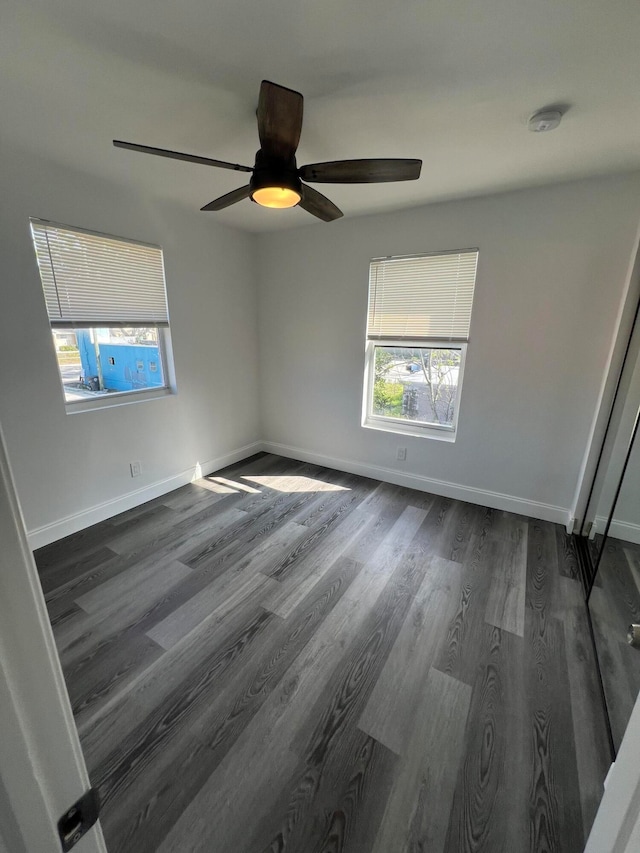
pixel 276 180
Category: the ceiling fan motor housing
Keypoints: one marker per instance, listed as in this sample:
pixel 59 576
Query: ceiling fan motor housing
pixel 271 172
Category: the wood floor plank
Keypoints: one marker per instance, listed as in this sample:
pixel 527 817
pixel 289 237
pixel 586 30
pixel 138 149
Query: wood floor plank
pixel 65 613
pixel 567 557
pixel 108 671
pixel 72 548
pixel 554 795
pixel 61 597
pixel 353 680
pixel 507 525
pixel 333 726
pixel 335 805
pixel 221 596
pixel 554 799
pixel 183 537
pixel 507 593
pixel 227 794
pixel 348 815
pixel 190 498
pixel 460 654
pixel 258 521
pixel 451 526
pixel 395 699
pixel 306 572
pixel 417 811
pixel 391 548
pixel 101 617
pixel 589 728
pixel 325 526
pixel 143 530
pixel 70 572
pixel 489 808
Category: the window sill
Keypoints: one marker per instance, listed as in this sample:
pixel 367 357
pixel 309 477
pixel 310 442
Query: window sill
pixel 411 429
pixel 109 401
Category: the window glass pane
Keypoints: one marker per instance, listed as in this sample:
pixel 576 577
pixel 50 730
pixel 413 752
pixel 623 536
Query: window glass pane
pixel 97 361
pixel 417 384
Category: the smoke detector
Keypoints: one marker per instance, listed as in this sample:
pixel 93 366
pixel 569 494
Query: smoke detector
pixel 544 120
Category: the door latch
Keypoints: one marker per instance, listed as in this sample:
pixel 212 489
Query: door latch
pixel 79 819
pixel 633 636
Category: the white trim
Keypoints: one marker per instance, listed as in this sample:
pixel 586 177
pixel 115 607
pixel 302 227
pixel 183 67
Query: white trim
pixel 40 536
pixel 616 828
pixel 621 332
pixel 397 425
pixel 42 769
pixel 123 398
pixel 401 428
pixel 496 500
pixel 625 530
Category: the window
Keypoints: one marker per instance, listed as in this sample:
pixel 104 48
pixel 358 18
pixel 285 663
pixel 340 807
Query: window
pixel 417 333
pixel 107 306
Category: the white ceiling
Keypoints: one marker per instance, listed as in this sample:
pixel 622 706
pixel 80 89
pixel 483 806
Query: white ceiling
pixel 450 81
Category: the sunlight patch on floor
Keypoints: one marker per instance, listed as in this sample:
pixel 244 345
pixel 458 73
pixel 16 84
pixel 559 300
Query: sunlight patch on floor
pixel 295 484
pixel 231 485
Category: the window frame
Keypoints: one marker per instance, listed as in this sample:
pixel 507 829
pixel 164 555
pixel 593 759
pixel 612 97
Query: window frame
pixel 163 329
pixel 421 429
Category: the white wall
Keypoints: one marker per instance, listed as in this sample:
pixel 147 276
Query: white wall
pixel 65 465
pixel 551 271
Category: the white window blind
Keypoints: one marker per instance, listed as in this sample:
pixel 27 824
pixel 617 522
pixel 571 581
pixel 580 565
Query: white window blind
pixel 91 279
pixel 422 297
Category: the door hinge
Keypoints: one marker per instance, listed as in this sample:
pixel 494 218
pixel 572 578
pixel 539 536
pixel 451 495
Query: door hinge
pixel 78 819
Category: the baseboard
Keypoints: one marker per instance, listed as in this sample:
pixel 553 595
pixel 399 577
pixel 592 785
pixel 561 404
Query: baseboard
pixel 625 530
pixel 495 500
pixel 48 533
pixel 40 536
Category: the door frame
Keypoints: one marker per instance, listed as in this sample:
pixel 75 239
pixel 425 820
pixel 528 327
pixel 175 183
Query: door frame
pixel 42 768
pixel 616 828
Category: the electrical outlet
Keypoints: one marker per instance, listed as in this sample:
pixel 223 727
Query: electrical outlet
pixel 401 454
pixel 136 468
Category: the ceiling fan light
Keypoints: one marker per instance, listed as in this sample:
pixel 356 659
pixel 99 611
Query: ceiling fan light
pixel 276 197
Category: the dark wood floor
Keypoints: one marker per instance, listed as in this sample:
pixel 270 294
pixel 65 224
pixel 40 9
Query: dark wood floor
pixel 282 657
pixel 614 605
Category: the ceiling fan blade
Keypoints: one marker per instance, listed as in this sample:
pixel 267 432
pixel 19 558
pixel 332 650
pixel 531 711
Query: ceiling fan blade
pixel 228 199
pixel 319 205
pixel 279 120
pixel 362 171
pixel 177 155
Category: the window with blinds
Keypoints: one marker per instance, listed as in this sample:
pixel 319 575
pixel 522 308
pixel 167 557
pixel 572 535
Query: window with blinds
pixel 91 279
pixel 418 322
pixel 422 297
pixel 107 306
